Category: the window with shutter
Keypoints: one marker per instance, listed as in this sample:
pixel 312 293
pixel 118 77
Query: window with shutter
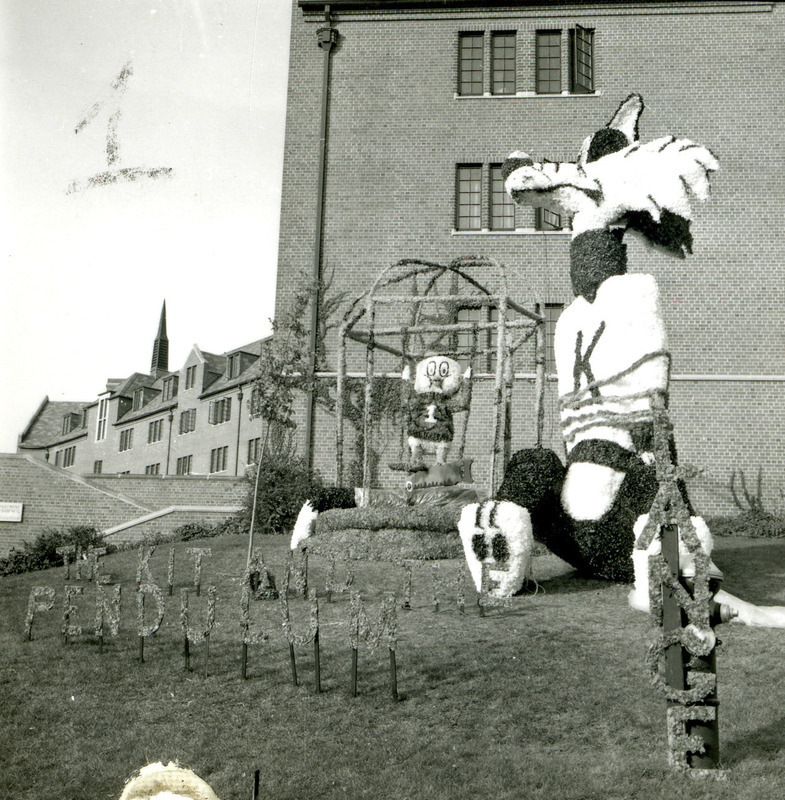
pixel 581 60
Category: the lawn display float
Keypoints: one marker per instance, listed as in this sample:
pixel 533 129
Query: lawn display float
pixel 619 510
pixel 612 359
pixel 437 352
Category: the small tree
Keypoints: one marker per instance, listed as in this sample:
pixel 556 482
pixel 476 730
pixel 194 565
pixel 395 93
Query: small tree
pixel 280 478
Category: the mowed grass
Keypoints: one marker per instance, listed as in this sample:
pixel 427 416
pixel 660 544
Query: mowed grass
pixel 549 698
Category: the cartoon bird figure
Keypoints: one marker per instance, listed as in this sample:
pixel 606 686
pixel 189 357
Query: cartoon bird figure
pixel 610 345
pixel 439 389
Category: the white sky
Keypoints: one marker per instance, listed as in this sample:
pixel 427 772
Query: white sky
pixel 85 272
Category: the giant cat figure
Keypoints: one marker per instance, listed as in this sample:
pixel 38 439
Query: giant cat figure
pixel 610 345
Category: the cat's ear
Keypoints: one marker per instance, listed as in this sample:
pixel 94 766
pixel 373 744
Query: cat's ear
pixel 626 117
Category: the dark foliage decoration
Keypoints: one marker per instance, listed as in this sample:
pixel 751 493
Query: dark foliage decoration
pixel 285 483
pixel 601 548
pixel 42 553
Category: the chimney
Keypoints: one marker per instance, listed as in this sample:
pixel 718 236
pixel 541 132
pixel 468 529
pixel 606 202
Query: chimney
pixel 160 362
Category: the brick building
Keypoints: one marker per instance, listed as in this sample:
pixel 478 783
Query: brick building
pixel 189 421
pixel 152 452
pixel 400 113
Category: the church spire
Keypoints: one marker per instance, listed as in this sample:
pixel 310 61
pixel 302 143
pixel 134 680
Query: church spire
pixel 160 362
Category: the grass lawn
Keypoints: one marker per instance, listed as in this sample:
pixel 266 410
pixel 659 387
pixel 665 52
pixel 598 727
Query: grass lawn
pixel 549 698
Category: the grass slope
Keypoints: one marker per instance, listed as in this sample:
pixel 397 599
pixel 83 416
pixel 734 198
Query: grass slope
pixel 546 699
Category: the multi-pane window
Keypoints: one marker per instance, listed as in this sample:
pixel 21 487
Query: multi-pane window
pixel 254 450
pixel 170 387
pixel 152 469
pixel 470 60
pixel 98 467
pixel 218 459
pixel 138 399
pixel 190 377
pixel 100 431
pixel 188 420
pixel 73 421
pixel 485 340
pixel 468 209
pixel 184 465
pixel 503 63
pixel 547 220
pixel 548 62
pixel 581 60
pixel 550 312
pixel 502 217
pixel 220 411
pixel 126 439
pixel 155 431
pixel 235 366
pixel 68 458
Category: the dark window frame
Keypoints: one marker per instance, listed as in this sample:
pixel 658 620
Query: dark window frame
pixel 219 457
pixel 581 53
pixel 254 450
pixel 547 220
pixel 169 387
pixel 547 75
pixel 471 64
pixel 126 439
pixel 155 431
pixel 551 313
pixel 501 208
pixel 184 465
pixel 503 64
pixel 220 411
pixel 468 198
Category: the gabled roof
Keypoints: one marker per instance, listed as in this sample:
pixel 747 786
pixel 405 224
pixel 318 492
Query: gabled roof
pixel 46 425
pixel 224 383
pixel 129 385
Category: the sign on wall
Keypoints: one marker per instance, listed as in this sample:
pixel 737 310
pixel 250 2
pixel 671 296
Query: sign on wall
pixel 11 512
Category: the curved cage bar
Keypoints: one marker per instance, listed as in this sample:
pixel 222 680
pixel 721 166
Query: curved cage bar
pixel 418 308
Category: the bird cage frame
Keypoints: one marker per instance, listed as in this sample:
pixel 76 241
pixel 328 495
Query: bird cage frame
pixel 514 325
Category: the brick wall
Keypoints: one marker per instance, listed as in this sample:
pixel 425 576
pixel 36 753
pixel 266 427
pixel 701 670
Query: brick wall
pixel 157 491
pixel 55 498
pixel 707 72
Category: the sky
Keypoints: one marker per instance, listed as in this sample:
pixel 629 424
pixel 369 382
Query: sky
pixel 141 158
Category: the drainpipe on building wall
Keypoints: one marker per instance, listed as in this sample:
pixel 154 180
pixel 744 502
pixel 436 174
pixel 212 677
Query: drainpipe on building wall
pixel 326 38
pixel 239 423
pixel 169 444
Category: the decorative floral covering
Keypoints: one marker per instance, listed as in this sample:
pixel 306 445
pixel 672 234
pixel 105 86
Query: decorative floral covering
pixel 498 534
pixel 170 782
pixel 611 351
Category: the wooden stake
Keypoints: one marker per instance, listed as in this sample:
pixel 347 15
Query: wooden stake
pixel 293 662
pixel 244 663
pixel 393 676
pixel 255 794
pixel 317 669
pixel 141 649
pixel 206 656
pixel 187 652
pixel 354 672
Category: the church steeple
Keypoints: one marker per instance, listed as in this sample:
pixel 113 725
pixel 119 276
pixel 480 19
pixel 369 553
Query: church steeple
pixel 160 363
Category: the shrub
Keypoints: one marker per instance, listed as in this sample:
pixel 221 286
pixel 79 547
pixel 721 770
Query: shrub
pixel 285 483
pixel 42 553
pixel 753 519
pixel 770 526
pixel 192 530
